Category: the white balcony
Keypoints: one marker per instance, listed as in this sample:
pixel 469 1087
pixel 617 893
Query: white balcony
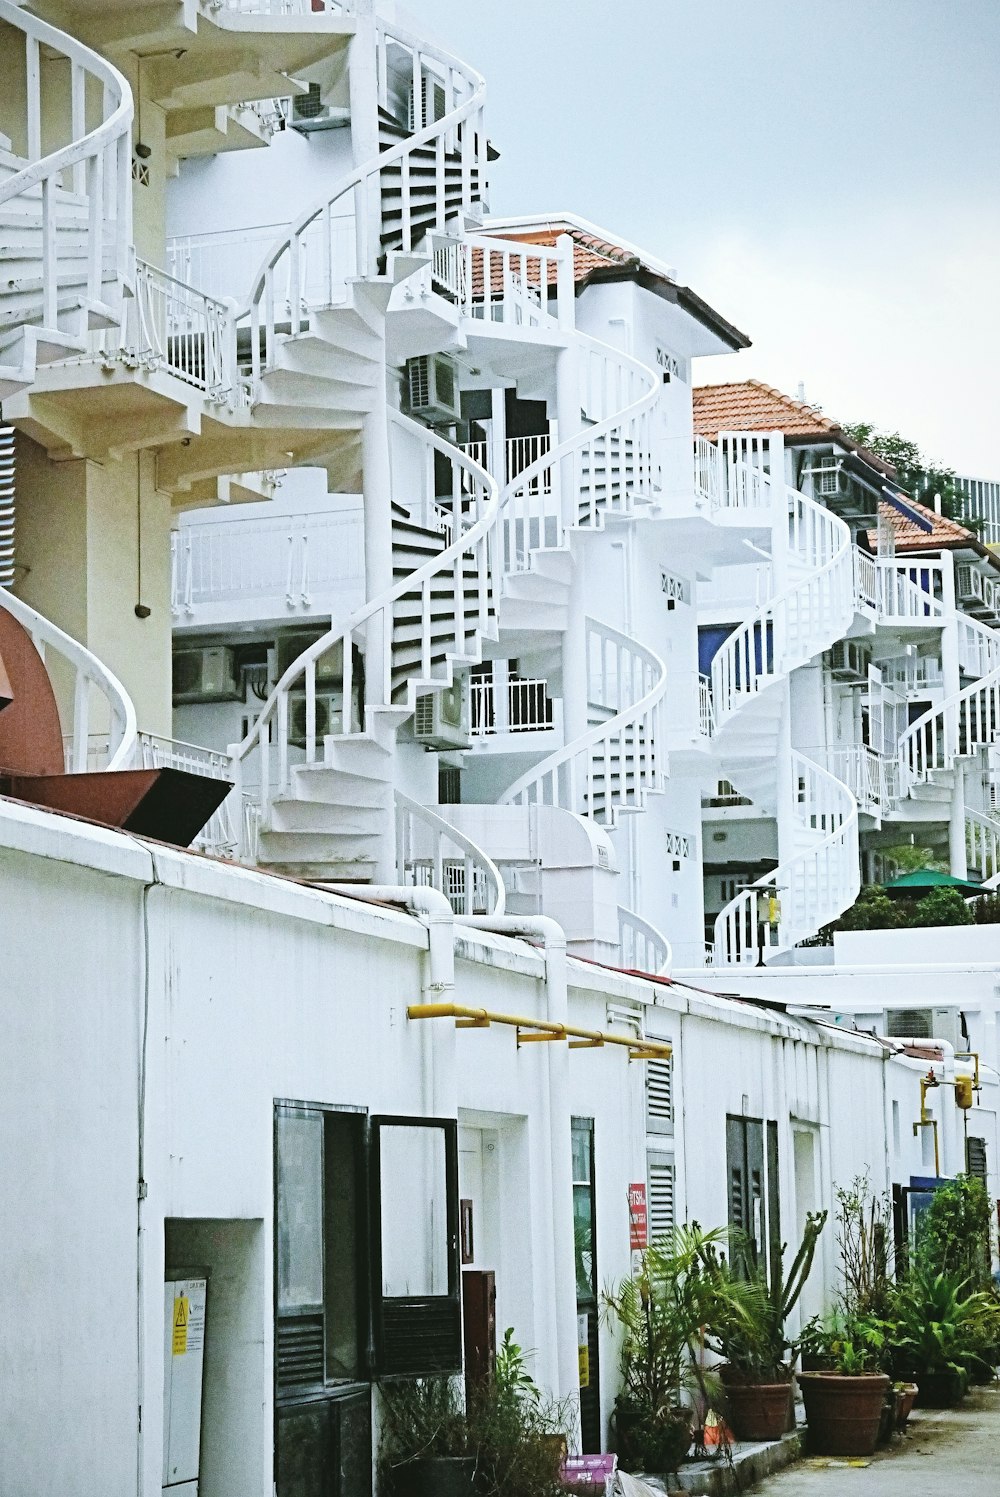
pixel 268 569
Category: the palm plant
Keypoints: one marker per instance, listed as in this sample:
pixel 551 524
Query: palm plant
pixel 940 1327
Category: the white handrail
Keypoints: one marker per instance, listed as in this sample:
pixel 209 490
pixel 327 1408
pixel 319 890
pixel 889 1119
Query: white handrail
pixel 474 519
pixel 461 129
pixel 643 948
pixel 806 618
pixel 468 876
pixel 88 672
pixel 806 891
pixel 98 161
pixel 623 752
pixel 954 729
pixel 978 647
pixel 982 840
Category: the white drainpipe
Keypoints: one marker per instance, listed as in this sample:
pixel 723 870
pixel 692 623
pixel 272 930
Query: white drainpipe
pixel 561 1265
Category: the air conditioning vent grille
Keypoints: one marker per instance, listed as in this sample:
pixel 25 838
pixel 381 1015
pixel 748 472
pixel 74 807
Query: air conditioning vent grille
pixel 299 1351
pixel 661 1198
pixel 309 106
pixel 910 1023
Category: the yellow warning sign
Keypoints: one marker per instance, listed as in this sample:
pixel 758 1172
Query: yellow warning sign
pixel 181 1317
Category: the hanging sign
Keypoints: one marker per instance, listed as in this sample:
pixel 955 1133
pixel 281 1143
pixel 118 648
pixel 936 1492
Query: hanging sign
pixel 638 1218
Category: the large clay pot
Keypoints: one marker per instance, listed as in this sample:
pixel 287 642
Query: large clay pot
pixel 436 1476
pixel 843 1413
pixel 757 1410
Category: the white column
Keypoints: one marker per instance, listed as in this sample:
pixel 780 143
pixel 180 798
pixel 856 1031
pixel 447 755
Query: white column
pixel 377 490
pixel 952 684
pixel 363 86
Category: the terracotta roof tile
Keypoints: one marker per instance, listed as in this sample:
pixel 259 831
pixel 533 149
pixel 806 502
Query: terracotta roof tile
pixel 909 535
pixel 750 405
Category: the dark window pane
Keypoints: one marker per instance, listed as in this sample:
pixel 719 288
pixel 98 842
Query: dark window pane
pixel 344 1244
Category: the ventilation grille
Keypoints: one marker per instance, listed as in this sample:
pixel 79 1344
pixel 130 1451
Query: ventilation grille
pixel 910 1023
pixel 661 1198
pixel 299 1352
pixel 420 1337
pixel 975 1158
pixel 659 1092
pixel 423 716
pixel 309 106
pixel 418 373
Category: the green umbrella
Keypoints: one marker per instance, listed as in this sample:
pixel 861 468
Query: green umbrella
pixel 929 878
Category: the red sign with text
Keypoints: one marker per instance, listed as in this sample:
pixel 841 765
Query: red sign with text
pixel 638 1221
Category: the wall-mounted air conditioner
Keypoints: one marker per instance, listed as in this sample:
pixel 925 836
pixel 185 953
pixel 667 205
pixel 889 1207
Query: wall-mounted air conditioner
pixel 205 675
pixel 849 661
pixel 431 389
pixel 925 1024
pixel 969 582
pixel 329 716
pixel 329 665
pixel 441 718
pixel 309 113
pixel 830 482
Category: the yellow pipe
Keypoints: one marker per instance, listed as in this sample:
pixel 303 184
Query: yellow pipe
pixel 537 1030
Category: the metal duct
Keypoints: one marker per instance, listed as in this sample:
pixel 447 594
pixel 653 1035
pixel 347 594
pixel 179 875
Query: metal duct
pixel 6 506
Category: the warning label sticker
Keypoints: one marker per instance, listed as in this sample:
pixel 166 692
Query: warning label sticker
pixel 182 1314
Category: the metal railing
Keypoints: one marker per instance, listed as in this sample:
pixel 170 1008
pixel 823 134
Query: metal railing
pixel 898 591
pixel 94 163
pixel 288 557
pixel 529 706
pixel 493 280
pixel 97 693
pixel 982 843
pixel 706 708
pixel 175 327
pixel 643 948
pixel 872 778
pixel 431 852
pixel 220 835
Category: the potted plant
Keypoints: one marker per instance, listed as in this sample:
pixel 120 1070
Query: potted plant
pixel 942 1332
pixel 905 1395
pixel 747 1328
pixel 508 1442
pixel 659 1312
pixel 844 1401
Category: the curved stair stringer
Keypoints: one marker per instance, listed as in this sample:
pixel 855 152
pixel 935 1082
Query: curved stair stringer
pixel 934 745
pixel 820 872
pixel 65 216
pixel 324 788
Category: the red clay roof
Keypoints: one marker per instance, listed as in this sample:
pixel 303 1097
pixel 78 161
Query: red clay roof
pixel 750 405
pixel 944 534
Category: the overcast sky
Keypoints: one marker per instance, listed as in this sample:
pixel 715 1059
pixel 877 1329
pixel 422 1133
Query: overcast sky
pixel 825 172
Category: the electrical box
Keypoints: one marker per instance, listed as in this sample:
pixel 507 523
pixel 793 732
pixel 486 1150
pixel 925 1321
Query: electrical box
pixel 184 1304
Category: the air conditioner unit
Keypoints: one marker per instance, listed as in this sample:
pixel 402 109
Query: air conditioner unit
pixel 309 113
pixel 925 1024
pixel 969 583
pixel 849 661
pixel 329 665
pixel 441 718
pixel 329 716
pixel 206 675
pixel 431 392
pixel 830 482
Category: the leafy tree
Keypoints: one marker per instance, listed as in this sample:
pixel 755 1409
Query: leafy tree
pixel 953 1236
pixel 926 481
pixel 873 910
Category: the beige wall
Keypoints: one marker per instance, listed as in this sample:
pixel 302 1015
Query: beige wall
pixel 78 531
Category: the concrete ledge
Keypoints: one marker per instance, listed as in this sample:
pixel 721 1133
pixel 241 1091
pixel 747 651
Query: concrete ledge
pixel 750 1464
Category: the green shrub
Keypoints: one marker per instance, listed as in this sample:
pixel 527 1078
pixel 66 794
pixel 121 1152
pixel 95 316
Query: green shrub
pixel 986 909
pixel 873 910
pixel 942 906
pixel 953 1234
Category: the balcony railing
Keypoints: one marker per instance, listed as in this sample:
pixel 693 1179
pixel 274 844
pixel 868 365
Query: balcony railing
pixel 175 327
pixel 529 707
pixel 899 591
pixel 291 558
pixel 872 778
pixel 706 709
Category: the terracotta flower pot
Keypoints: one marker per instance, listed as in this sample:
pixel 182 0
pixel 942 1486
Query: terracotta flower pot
pixel 843 1413
pixel 905 1397
pixel 757 1410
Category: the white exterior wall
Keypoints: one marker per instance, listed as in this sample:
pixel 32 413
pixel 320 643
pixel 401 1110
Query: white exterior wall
pixel 257 988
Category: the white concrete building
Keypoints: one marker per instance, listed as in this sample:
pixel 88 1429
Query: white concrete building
pixel 400 520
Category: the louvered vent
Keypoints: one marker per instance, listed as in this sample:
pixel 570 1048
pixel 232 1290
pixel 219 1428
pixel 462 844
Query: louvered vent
pixel 737 1205
pixel 975 1158
pixel 661 1198
pixel 659 1095
pixel 299 1352
pixel 418 373
pixel 309 106
pixel 910 1023
pixel 420 1337
pixel 423 716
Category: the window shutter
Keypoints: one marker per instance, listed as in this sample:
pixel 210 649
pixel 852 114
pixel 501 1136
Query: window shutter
pixel 975 1158
pixel 659 1096
pixel 661 1195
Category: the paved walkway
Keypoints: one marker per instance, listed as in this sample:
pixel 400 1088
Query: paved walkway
pixel 953 1453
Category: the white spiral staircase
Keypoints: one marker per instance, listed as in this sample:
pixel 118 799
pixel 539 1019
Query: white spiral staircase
pixel 65 212
pixel 818 872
